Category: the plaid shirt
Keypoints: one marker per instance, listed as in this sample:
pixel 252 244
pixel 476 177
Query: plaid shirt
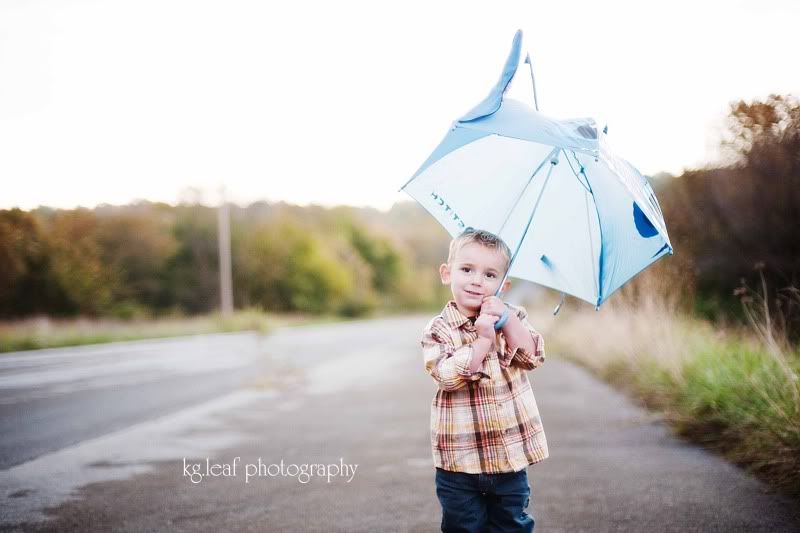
pixel 487 421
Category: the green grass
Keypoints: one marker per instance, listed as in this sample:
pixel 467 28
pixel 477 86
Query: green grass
pixel 721 389
pixel 753 401
pixel 32 334
pixel 43 332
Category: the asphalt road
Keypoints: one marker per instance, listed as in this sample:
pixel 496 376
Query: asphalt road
pixel 50 399
pixel 352 398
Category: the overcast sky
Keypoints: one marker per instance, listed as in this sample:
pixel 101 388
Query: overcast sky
pixel 340 102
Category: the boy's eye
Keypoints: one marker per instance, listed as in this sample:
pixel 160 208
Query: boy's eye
pixel 491 275
pixel 465 269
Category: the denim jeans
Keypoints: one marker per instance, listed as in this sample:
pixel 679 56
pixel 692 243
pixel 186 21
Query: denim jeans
pixel 478 503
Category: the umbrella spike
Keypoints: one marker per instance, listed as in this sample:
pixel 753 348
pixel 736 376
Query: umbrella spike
pixel 558 307
pixel 533 80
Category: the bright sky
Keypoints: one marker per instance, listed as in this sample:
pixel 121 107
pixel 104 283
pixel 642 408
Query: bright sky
pixel 341 102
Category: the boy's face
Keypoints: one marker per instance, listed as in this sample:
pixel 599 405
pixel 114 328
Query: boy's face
pixel 474 273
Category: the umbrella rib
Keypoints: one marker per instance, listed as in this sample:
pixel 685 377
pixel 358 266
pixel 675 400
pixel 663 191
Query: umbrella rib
pixel 600 253
pixel 588 191
pixel 522 193
pixel 530 218
pixel 591 244
pixel 584 185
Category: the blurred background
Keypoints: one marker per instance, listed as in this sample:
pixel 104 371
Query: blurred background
pixel 113 224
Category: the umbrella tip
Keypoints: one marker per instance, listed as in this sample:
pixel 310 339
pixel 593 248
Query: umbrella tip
pixel 558 307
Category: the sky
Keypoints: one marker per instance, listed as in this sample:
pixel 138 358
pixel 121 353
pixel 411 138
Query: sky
pixel 340 102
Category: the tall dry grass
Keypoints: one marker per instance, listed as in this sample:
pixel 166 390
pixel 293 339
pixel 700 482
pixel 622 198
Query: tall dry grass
pixel 46 332
pixel 730 388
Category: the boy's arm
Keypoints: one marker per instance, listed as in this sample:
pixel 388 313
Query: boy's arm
pixel 524 345
pixel 451 367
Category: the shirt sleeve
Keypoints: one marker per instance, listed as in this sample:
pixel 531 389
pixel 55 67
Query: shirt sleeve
pixel 520 357
pixel 448 366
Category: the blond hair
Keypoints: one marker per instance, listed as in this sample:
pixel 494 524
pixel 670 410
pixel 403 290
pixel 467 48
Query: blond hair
pixel 482 237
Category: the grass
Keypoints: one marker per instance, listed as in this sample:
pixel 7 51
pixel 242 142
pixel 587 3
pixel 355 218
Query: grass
pixel 725 389
pixel 43 332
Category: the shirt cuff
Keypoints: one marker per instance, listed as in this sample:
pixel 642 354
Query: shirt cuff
pixel 462 366
pixel 523 357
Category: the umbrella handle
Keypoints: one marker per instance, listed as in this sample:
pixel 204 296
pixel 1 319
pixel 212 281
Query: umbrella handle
pixel 502 322
pixel 504 317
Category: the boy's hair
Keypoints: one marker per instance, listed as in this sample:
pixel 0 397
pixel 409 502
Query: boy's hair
pixel 482 237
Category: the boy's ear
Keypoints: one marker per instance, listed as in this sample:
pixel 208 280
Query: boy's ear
pixel 444 273
pixel 506 286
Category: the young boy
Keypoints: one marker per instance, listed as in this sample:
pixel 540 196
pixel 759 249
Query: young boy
pixel 485 424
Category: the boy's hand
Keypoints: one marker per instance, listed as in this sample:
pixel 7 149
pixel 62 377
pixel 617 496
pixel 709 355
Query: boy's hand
pixel 485 325
pixel 493 306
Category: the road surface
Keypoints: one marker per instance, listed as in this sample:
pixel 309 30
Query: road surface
pixel 324 428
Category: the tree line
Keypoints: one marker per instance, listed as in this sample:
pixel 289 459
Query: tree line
pixel 151 259
pixel 733 222
pixel 729 223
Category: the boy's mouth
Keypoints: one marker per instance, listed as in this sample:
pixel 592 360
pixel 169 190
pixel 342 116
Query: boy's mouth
pixel 472 293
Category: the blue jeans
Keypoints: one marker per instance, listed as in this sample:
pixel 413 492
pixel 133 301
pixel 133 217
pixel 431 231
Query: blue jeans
pixel 478 503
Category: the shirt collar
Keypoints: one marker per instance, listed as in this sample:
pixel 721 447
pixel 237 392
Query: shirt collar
pixel 453 316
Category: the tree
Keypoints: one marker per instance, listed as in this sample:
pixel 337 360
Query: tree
pixel 728 219
pixel 76 262
pixel 135 245
pixel 190 278
pixel 26 285
pixel 290 269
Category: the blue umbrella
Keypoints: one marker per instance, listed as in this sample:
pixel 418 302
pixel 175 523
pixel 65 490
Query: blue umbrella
pixel 578 218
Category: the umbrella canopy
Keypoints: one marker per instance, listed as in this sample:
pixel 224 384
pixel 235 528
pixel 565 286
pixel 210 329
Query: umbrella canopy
pixel 577 217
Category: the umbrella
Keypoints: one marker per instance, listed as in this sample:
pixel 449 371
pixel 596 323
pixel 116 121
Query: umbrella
pixel 577 217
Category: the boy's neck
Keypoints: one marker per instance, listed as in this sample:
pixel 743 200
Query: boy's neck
pixel 472 315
